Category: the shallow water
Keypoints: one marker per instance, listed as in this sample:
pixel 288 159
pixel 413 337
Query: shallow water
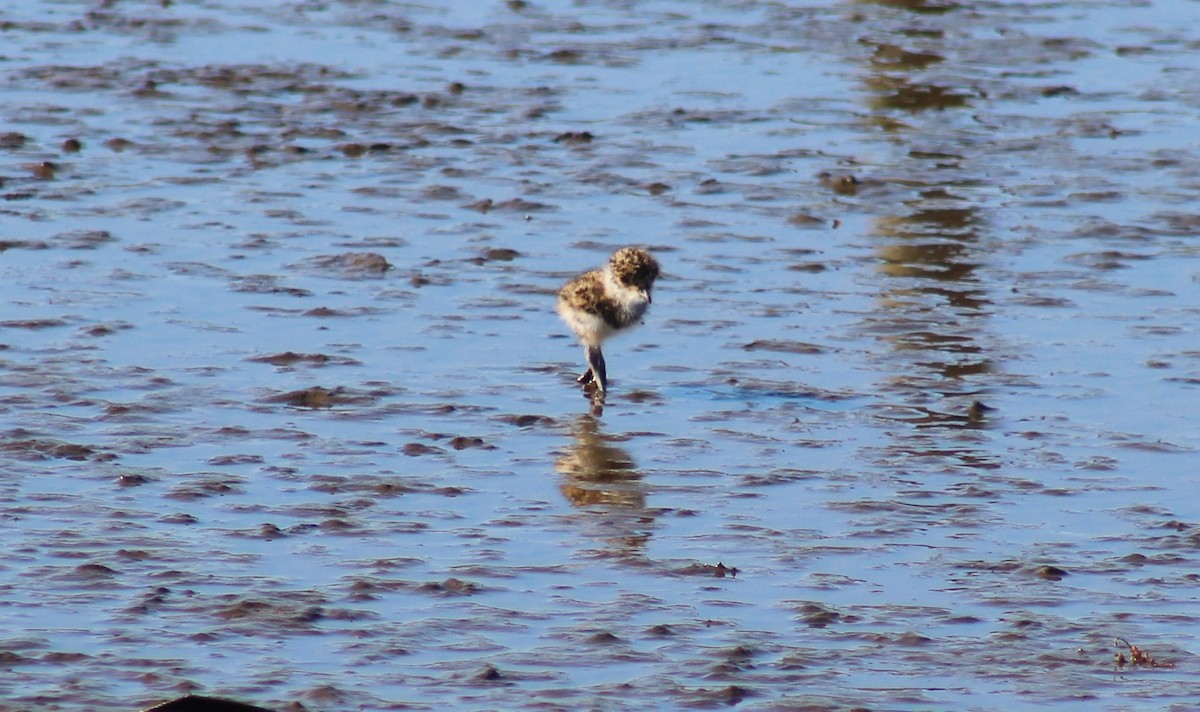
pixel 288 416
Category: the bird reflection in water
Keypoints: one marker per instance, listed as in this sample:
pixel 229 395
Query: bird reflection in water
pixel 601 478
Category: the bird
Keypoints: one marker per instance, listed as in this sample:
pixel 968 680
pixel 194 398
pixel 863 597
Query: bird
pixel 606 301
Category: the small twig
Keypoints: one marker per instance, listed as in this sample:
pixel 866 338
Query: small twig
pixel 1137 656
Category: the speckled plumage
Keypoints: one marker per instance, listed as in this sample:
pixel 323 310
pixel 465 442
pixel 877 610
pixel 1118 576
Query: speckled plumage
pixel 602 302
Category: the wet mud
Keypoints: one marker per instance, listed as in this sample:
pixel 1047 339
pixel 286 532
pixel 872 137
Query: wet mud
pixel 287 417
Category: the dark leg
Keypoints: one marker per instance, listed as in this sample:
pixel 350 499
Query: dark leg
pixel 595 359
pixel 584 378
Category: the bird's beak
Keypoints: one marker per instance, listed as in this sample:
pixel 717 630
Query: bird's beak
pixel 649 299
